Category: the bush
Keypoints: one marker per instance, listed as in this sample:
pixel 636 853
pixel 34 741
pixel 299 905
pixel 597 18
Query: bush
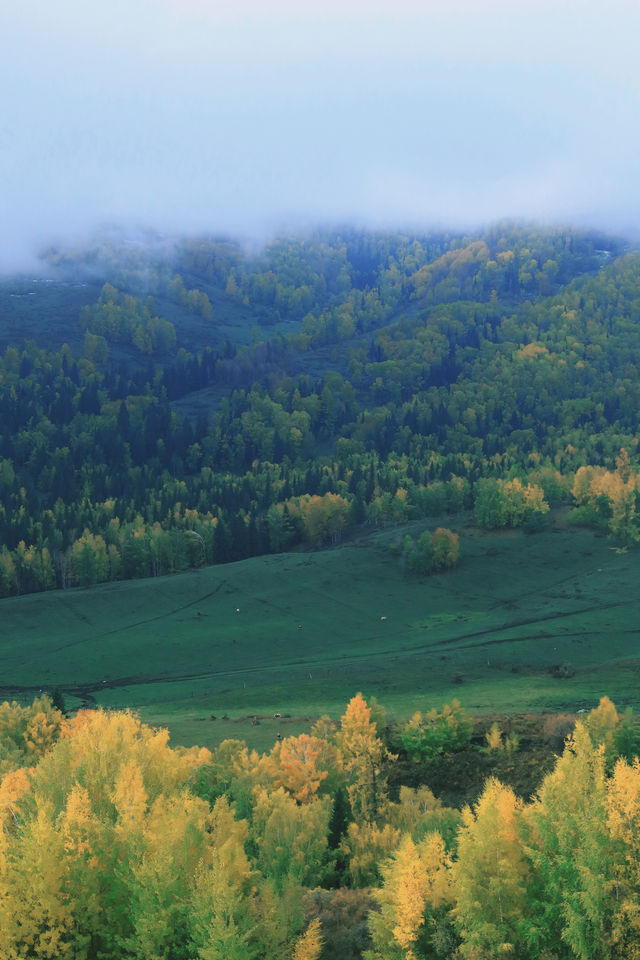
pixel 431 552
pixel 495 741
pixel 563 671
pixel 432 734
pixel 587 516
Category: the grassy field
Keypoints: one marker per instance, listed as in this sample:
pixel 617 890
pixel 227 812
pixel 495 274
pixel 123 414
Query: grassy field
pixel 300 633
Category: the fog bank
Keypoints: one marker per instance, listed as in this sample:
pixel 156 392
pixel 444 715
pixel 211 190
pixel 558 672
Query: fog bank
pixel 207 116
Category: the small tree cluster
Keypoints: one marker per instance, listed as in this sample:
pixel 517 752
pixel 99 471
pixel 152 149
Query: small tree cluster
pixel 431 551
pixel 609 499
pixel 507 503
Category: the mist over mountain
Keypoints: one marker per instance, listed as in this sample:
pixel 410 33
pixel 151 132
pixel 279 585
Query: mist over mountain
pixel 197 117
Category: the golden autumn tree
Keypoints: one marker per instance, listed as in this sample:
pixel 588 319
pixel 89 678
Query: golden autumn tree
pixel 364 756
pixel 174 842
pixel 291 839
pixel 490 875
pixel 365 847
pixel 622 807
pixel 418 812
pixel 324 518
pixel 611 497
pixel 293 764
pixel 36 912
pixel 569 850
pixel 95 744
pixel 6 935
pixel 100 841
pixel 602 724
pixel 223 916
pixel 309 945
pixel 445 548
pixel 26 733
pixel 89 880
pixel 42 727
pixel 416 885
pixel 13 786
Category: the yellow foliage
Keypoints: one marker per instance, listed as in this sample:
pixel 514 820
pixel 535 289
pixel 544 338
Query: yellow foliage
pixel 291 838
pixel 13 786
pixel 437 863
pixel 446 547
pixel 623 804
pixel 75 822
pixel 602 723
pixel 98 745
pixel 42 732
pixel 323 517
pixel 129 798
pixel 365 846
pixel 36 915
pixel 293 765
pixel 490 874
pixel 227 841
pixel 623 823
pixel 411 880
pixel 532 351
pixel 364 754
pixel 28 730
pixel 412 806
pixel 593 484
pixel 309 945
pixel 175 826
pixel 493 737
pixel 416 883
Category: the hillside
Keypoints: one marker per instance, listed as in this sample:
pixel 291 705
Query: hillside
pixel 195 408
pixel 525 622
pixel 192 407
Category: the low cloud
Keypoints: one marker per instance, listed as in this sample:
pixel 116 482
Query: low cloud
pixel 211 117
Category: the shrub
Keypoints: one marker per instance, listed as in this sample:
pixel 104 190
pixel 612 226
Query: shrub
pixel 495 741
pixel 432 734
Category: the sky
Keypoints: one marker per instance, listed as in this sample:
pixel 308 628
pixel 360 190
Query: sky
pixel 252 117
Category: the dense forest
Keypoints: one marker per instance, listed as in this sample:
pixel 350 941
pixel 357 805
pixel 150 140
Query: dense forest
pixel 168 404
pixel 114 845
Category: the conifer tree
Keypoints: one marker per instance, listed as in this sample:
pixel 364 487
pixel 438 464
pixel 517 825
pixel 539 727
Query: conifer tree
pixel 568 846
pixel 364 756
pixel 416 886
pixel 223 919
pixel 309 945
pixel 490 876
pixel 623 824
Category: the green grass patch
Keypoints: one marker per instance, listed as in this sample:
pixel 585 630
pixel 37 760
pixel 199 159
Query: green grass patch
pixel 300 633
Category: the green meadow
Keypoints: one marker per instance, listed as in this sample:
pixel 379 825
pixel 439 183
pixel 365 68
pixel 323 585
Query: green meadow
pixel 538 622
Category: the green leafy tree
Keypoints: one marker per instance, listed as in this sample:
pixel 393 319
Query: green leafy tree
pixel 490 877
pixel 429 735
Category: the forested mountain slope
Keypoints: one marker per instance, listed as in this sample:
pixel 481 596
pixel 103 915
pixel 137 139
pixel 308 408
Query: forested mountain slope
pixel 169 404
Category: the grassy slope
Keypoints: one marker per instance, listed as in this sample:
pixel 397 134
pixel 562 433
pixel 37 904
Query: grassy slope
pixel 42 310
pixel 301 633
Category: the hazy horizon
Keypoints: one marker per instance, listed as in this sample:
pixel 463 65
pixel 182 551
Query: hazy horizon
pixel 203 116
